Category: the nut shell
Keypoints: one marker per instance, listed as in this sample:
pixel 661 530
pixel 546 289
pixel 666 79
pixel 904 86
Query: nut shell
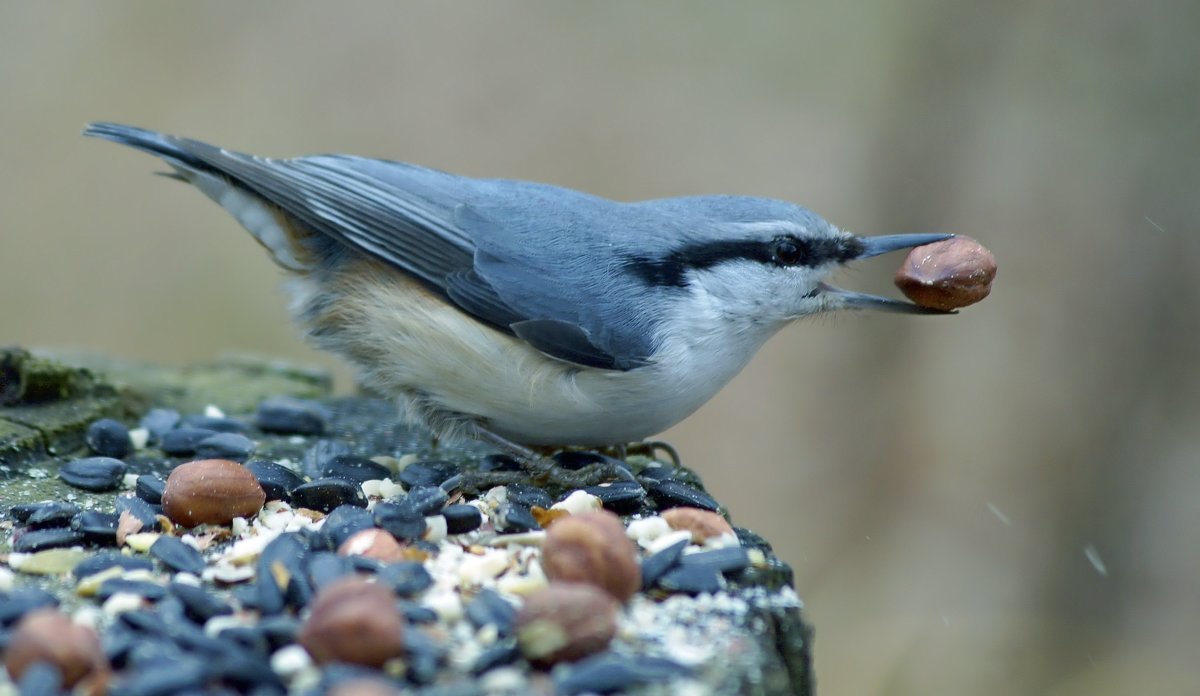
pixel 947 275
pixel 374 543
pixel 354 620
pixel 566 621
pixel 594 549
pixel 703 524
pixel 48 635
pixel 211 491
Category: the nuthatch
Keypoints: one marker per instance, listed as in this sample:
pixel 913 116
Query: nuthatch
pixel 522 313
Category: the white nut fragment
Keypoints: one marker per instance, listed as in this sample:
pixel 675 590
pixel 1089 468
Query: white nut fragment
pixel 446 603
pixel 139 437
pixel 382 488
pixel 534 538
pixel 578 502
pixel 668 540
pixel 290 661
pixel 435 529
pixel 121 602
pixel 227 574
pixel 90 585
pixel 142 541
pixel 647 529
pixel 475 569
pixel 523 584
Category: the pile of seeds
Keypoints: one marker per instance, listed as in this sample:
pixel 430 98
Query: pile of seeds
pixel 212 567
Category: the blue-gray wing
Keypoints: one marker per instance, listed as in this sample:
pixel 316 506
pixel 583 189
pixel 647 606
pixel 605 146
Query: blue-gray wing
pixel 545 278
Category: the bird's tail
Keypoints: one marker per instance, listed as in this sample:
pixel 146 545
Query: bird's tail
pixel 198 163
pixel 170 148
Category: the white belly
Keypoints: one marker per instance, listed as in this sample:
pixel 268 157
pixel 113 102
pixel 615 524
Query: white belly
pixel 407 342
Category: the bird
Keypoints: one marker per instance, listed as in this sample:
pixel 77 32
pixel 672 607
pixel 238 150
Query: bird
pixel 524 314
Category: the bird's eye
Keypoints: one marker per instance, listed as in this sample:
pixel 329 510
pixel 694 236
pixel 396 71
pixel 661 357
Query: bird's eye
pixel 788 251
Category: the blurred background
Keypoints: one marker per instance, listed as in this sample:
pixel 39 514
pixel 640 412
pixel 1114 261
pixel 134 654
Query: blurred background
pixel 1002 502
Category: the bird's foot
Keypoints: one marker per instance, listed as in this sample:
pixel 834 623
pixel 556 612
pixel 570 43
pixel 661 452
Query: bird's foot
pixel 539 465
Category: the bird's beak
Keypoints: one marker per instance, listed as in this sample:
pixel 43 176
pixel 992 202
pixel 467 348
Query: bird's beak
pixel 874 246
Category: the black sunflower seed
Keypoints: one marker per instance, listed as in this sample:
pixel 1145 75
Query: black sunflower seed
pixel 42 539
pixel 51 514
pixel 225 445
pixel 158 422
pixel 97 527
pixel 424 500
pixel 621 497
pixel 288 415
pixel 151 591
pixel 400 521
pixel 354 469
pixel 325 494
pixel 325 566
pixel 341 524
pixel 248 638
pixel 21 601
pixel 730 559
pixel 609 672
pixel 518 518
pixel 141 510
pixel 108 438
pixel 167 675
pixel 528 495
pixel 93 473
pixel 417 614
pixel 282 580
pixel 150 488
pixel 200 604
pixel 280 630
pixel 23 511
pixel 319 454
pixel 108 559
pixel 220 424
pixel 428 473
pixel 669 494
pixel 657 565
pixel 407 579
pixel 182 442
pixel 489 608
pixel 691 579
pixel 176 555
pixel 462 518
pixel 503 652
pixel 277 480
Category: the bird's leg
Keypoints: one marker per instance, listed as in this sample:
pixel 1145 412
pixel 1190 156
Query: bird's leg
pixel 540 466
pixel 650 448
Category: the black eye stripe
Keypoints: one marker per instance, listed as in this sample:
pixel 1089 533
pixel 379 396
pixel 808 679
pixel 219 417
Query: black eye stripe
pixel 785 250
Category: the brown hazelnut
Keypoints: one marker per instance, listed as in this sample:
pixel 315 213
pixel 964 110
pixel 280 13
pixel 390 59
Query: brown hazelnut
pixel 48 635
pixel 592 548
pixel 949 274
pixel 703 524
pixel 566 621
pixel 354 620
pixel 211 491
pixel 374 543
